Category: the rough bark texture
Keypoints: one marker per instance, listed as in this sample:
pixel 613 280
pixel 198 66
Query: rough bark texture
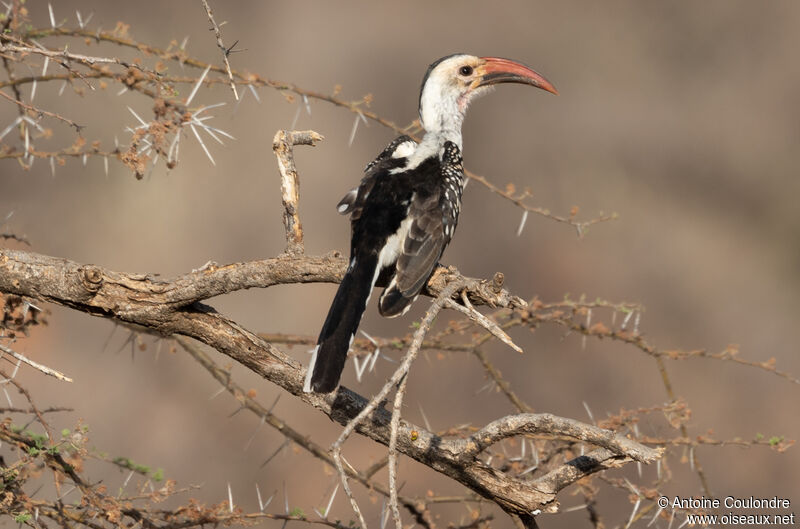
pixel 171 307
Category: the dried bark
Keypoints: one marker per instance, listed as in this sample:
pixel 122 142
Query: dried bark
pixel 173 307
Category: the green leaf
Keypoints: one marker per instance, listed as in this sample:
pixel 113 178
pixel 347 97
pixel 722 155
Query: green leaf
pixel 775 440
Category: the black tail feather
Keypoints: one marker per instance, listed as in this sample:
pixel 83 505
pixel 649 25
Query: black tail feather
pixel 340 327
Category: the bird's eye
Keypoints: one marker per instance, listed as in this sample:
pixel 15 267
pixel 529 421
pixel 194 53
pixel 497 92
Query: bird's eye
pixel 465 70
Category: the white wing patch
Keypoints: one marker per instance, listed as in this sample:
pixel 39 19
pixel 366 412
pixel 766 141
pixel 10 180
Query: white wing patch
pixel 405 149
pixel 347 202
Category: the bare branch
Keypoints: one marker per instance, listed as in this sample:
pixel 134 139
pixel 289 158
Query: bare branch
pixel 44 369
pixel 290 183
pixel 41 112
pixel 545 423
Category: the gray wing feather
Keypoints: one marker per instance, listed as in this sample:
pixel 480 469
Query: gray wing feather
pixel 423 245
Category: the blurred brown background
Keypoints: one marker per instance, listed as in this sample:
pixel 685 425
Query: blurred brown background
pixel 684 118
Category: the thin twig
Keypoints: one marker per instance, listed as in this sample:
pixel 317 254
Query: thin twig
pixel 225 51
pixel 42 112
pixel 44 369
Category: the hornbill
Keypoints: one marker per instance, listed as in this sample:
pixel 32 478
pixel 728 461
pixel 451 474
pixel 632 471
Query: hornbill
pixel 404 211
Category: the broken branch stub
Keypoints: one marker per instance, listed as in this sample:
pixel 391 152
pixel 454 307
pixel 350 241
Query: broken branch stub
pixel 282 145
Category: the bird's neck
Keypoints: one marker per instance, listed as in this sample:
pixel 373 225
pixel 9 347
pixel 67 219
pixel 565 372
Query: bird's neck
pixel 441 117
pixel 432 145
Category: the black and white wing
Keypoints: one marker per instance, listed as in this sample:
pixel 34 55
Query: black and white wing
pixel 433 215
pixel 401 147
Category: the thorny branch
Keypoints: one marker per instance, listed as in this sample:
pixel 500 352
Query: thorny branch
pixel 174 308
pixel 225 51
pixel 137 77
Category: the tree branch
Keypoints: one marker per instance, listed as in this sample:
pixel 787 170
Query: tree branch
pixel 172 307
pixel 282 145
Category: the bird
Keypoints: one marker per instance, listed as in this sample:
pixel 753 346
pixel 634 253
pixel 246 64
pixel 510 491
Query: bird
pixel 404 211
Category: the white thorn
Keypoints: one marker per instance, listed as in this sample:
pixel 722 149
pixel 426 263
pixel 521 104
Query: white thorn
pixel 105 164
pixel 375 356
pixel 589 412
pixel 330 502
pixel 353 132
pixel 63 86
pixel 197 85
pixel 521 222
pixel 10 127
pixel 53 166
pixel 143 122
pixel 626 320
pixel 67 492
pixel 360 367
pixel 255 94
pixel 260 503
pixel 203 145
pixel 296 117
pixel 125 483
pixel 217 393
pixel 308 105
pixel 52 17
pixel 653 519
pixel 588 324
pixel 230 498
pixel 269 500
pixel 424 418
pixel 633 513
pixel 370 338
pixel 209 107
pixel 32 123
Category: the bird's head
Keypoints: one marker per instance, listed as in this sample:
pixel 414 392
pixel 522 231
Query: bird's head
pixel 452 82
